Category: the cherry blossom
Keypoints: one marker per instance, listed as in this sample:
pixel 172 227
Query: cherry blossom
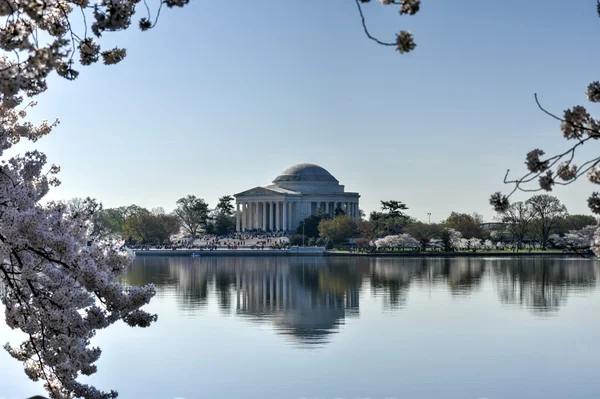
pixel 59 284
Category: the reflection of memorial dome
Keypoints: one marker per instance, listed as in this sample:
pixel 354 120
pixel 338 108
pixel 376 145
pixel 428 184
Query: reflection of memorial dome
pixel 310 326
pixel 305 172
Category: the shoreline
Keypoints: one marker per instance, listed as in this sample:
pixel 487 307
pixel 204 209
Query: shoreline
pixel 323 253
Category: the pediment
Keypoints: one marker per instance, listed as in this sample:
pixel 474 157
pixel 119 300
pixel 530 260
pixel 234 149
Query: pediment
pixel 257 191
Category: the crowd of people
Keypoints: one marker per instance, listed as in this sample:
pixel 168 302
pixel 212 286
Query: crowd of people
pixel 233 241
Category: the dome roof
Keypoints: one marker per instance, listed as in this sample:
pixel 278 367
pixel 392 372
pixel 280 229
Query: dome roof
pixel 305 172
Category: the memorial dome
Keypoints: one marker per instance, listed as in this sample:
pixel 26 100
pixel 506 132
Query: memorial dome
pixel 305 172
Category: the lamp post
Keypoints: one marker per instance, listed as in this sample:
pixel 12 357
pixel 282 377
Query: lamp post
pixel 429 215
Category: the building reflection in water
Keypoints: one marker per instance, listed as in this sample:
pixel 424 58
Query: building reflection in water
pixel 308 299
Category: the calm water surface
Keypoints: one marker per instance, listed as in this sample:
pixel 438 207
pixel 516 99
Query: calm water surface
pixel 278 328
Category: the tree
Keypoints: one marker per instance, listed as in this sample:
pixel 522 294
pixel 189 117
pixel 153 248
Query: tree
pixel 310 225
pixel 518 218
pixel 424 232
pixel 223 220
pixel 391 221
pixel 547 213
pixel 150 227
pixel 111 221
pixel 575 222
pixel 393 208
pixel 193 214
pixel 575 239
pixel 338 229
pixel 225 206
pixel 397 241
pixel 467 225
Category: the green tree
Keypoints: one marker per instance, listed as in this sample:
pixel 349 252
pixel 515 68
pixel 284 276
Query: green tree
pixel 311 225
pixel 517 219
pixel 338 211
pixel 393 208
pixel 296 240
pixel 225 205
pixel 338 229
pixel 424 232
pixel 467 225
pixel 391 220
pixel 148 227
pixel 192 213
pixel 112 220
pixel 547 213
pixel 575 222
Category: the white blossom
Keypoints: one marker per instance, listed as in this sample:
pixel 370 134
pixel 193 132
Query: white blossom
pixel 534 164
pixel 397 241
pixel 410 7
pixel 596 242
pixel 575 122
pixel 593 92
pixel 546 181
pixel 566 171
pixel 56 288
pixel 594 175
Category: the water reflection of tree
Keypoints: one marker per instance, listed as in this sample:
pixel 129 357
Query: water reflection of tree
pixel 542 284
pixel 304 296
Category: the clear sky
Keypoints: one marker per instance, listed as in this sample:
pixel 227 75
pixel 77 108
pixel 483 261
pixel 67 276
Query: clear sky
pixel 224 95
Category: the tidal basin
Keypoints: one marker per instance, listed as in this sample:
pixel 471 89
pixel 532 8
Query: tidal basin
pixel 323 327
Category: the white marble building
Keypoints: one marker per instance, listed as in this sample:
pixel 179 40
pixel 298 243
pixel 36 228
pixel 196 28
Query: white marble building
pixel 294 195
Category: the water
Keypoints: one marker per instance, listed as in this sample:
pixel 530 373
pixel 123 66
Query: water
pixel 277 328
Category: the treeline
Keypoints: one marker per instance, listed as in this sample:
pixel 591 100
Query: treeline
pixel 135 224
pixel 542 219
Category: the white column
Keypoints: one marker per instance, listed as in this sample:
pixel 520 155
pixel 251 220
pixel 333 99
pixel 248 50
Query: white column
pixel 244 215
pixel 277 224
pixel 237 217
pixel 290 226
pixel 284 227
pixel 256 224
pixel 264 204
pixel 271 215
pixel 326 208
pixel 250 216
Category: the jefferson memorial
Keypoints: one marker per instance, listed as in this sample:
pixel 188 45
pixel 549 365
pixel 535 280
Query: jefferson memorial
pixel 295 194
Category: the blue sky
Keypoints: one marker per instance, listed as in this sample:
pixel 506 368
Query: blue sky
pixel 221 96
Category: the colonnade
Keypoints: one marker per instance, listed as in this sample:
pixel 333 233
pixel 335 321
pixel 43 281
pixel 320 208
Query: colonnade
pixel 285 215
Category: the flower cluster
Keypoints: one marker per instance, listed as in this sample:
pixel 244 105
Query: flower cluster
pixel 566 171
pixel 405 42
pixel 574 125
pixel 410 7
pixel 397 241
pixel 534 164
pixel 58 283
pixel 547 181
